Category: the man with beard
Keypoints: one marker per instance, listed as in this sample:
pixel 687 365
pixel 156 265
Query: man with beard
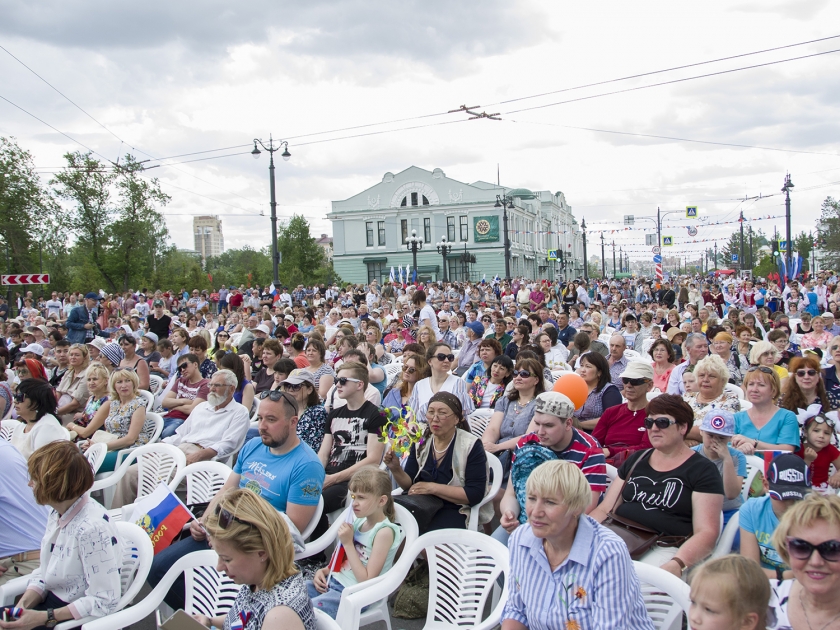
pixel 277 466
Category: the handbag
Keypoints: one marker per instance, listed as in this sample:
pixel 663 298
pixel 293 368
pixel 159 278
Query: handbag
pixel 423 507
pixel 638 538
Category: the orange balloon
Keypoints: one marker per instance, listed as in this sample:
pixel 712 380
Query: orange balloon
pixel 573 386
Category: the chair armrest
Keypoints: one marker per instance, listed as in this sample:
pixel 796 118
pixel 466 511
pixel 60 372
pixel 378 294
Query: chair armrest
pixel 119 472
pixel 12 589
pixel 326 539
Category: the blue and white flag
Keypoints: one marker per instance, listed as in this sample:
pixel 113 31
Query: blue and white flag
pixel 400 274
pixel 391 278
pixel 407 274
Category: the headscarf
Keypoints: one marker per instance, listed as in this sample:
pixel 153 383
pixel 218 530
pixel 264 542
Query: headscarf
pixel 36 368
pixel 113 353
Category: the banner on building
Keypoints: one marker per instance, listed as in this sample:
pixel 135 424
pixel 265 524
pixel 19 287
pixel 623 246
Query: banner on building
pixel 486 229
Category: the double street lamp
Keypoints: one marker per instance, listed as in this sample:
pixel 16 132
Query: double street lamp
pixel 505 202
pixel 414 244
pixel 271 148
pixel 444 247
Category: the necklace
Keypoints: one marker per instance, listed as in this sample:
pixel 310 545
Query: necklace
pixel 808 621
pixel 442 451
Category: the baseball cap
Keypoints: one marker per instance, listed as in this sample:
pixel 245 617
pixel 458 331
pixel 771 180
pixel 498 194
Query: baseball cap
pixel 92 296
pixel 476 326
pixel 34 348
pixel 789 478
pixel 555 404
pixel 152 336
pixel 719 422
pixel 157 303
pixel 638 369
pixel 300 376
pixel 261 328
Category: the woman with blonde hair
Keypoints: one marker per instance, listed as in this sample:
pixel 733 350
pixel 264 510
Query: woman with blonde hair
pixel 426 337
pixel 255 548
pixel 712 376
pixel 764 426
pixel 90 418
pixel 766 354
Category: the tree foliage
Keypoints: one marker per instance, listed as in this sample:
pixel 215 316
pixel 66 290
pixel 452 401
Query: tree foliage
pixel 829 233
pixel 303 260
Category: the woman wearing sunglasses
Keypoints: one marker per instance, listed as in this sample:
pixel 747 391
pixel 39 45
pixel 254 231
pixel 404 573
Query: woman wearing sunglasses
pixel 441 360
pixel 805 385
pixel 35 405
pixel 222 340
pixel 808 539
pixel 672 490
pixel 255 549
pixel 312 418
pixel 414 369
pixel 765 426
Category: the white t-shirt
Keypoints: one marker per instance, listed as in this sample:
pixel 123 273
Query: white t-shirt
pixel 428 317
pixel 53 307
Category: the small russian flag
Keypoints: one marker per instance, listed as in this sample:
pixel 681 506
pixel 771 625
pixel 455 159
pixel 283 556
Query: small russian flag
pixel 162 515
pixel 339 555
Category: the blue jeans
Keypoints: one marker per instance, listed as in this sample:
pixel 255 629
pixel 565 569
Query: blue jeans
pixel 326 602
pixel 170 425
pixel 163 562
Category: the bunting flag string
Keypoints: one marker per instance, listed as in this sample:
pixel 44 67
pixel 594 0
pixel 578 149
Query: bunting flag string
pixel 647 229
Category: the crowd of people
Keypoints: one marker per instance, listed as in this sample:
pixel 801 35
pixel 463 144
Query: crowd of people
pixel 682 384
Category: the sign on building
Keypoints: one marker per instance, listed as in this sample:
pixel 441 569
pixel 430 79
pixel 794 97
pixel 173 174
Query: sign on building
pixel 552 254
pixel 667 241
pixel 486 229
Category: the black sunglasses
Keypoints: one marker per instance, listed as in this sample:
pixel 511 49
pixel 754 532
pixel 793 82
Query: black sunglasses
pixel 275 395
pixel 440 356
pixel 802 549
pixel 408 369
pixel 635 382
pixel 289 387
pixel 19 398
pixel 226 518
pixel 183 366
pixel 802 373
pixel 522 373
pixel 760 368
pixel 661 422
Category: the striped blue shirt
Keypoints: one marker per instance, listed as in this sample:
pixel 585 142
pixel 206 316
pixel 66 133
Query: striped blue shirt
pixel 595 585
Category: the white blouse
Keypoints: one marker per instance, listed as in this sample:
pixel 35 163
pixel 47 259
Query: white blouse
pixel 48 429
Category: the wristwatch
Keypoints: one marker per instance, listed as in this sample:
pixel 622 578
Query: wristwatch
pixel 680 562
pixel 51 620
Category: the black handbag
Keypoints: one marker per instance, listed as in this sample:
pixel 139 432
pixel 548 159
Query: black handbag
pixel 423 507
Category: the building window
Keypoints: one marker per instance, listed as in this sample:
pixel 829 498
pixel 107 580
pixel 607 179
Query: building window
pixel 404 202
pixel 414 199
pixel 369 230
pixel 464 233
pixel 380 227
pixel 450 229
pixel 404 229
pixel 427 230
pixel 376 271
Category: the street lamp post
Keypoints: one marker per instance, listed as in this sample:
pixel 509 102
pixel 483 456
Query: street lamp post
pixel 786 189
pixel 585 263
pixel 505 202
pixel 444 247
pixel 271 148
pixel 603 260
pixel 414 244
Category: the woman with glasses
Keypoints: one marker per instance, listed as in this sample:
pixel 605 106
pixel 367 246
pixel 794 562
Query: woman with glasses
pixel 255 549
pixel 414 369
pixel 808 540
pixel 441 360
pixel 513 412
pixel 72 390
pixel 35 406
pixel 486 390
pixel 764 353
pixel 312 418
pixel 324 375
pixel 669 489
pixel 126 423
pixel 446 474
pixel 805 385
pixel 132 362
pixel 765 426
pixel 222 341
pixel 426 337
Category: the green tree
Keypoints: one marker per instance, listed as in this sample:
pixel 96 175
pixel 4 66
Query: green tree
pixel 303 260
pixel 234 266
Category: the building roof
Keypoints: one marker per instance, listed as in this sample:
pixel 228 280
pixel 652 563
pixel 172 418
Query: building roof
pixel 324 240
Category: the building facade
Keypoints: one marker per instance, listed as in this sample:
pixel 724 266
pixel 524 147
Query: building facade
pixel 326 244
pixel 371 227
pixel 209 239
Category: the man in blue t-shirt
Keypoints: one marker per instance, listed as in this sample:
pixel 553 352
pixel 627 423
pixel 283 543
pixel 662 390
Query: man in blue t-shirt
pixel 277 466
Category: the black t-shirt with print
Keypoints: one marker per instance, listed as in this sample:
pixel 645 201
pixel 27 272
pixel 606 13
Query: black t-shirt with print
pixel 350 431
pixel 662 500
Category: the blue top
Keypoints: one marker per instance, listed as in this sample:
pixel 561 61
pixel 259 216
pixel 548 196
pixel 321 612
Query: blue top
pixel 381 385
pixel 595 585
pixel 783 428
pixel 477 369
pixel 296 477
pixel 740 462
pixel 22 521
pixel 758 518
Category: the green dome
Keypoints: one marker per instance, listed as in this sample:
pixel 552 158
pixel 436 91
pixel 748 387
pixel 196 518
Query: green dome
pixel 522 193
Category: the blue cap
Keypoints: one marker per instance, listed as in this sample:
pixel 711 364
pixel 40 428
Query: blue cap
pixel 719 421
pixel 476 327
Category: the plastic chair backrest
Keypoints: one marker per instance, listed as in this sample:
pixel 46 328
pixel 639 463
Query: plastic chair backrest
pixel 256 411
pixel 204 480
pixel 155 383
pixel 156 463
pixel 752 471
pixel 745 404
pixel 727 538
pixel 478 421
pixel 137 556
pixel 158 420
pixel 665 596
pixel 148 397
pixel 324 622
pixel 307 532
pixel 96 455
pixel 392 373
pixel 7 427
pixel 208 592
pixel 495 467
pixel 734 389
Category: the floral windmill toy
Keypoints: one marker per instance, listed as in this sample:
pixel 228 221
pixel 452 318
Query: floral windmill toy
pixel 401 430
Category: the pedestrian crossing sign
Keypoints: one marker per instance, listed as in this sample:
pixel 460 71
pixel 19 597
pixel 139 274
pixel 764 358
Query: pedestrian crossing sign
pixel 552 254
pixel 667 241
pixel 691 212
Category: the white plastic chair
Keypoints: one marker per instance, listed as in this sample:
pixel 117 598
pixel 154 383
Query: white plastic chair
pixel 324 622
pixel 137 555
pixel 155 383
pixel 96 455
pixel 157 419
pixel 155 462
pixel 377 611
pixel 612 474
pixel 495 467
pixel 753 468
pixel 203 480
pixel 478 421
pixel 734 389
pixel 745 404
pixel 665 595
pixel 463 569
pixel 7 427
pixel 313 523
pixel 148 397
pixel 727 538
pixel 392 373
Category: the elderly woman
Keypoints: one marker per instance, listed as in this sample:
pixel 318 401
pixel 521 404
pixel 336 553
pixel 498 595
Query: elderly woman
pixel 808 540
pixel 805 387
pixel 664 361
pixel 764 426
pixel 255 549
pixel 81 557
pixel 556 354
pixel 818 337
pixel 447 473
pixel 73 391
pixel 712 376
pixel 560 545
pixel 595 371
pixel 35 406
pixel 440 359
pixel 737 366
pixel 766 354
pixel 126 424
pixel 486 390
pixel 669 488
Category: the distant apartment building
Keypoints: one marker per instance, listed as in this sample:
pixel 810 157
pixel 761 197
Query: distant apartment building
pixel 209 240
pixel 326 243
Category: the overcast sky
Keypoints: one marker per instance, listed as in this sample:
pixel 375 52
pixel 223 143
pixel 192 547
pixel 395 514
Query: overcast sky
pixel 171 78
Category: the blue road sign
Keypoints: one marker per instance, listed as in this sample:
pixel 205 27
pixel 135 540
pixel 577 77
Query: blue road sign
pixel 734 257
pixel 657 258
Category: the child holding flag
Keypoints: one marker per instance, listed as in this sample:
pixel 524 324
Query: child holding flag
pixel 369 540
